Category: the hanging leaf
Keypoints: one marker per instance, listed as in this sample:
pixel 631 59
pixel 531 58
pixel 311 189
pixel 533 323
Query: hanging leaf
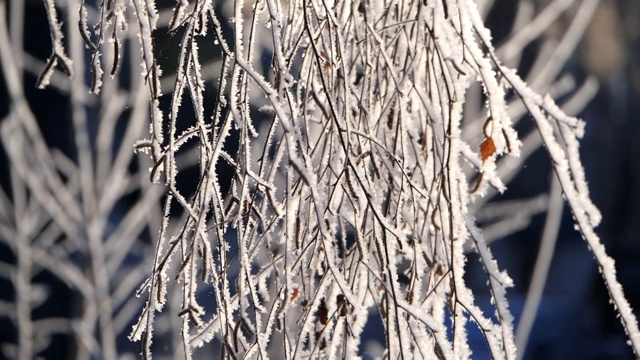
pixel 487 148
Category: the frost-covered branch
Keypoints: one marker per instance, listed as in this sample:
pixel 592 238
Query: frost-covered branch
pixel 325 180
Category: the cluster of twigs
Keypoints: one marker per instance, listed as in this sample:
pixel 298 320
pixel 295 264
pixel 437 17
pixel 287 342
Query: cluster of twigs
pixel 350 189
